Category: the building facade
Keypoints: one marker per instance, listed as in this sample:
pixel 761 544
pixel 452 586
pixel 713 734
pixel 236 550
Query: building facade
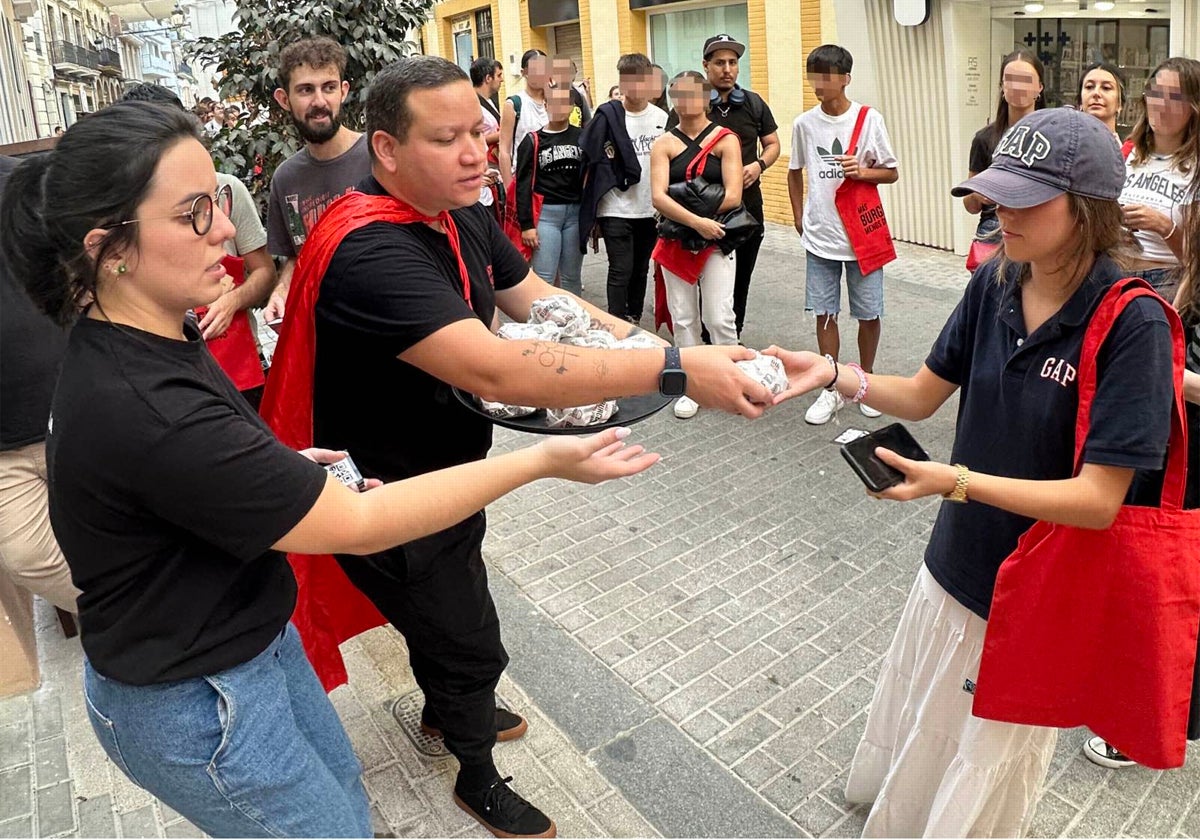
pixel 935 83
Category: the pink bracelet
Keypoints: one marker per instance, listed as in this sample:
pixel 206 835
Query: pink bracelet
pixel 861 393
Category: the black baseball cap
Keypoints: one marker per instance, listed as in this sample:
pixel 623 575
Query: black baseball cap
pixel 725 42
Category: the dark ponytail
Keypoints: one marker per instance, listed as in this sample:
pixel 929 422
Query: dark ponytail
pixel 98 174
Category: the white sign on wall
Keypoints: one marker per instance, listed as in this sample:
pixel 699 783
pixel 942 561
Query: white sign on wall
pixel 910 12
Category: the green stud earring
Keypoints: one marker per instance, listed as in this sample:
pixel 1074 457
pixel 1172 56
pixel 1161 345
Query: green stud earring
pixel 121 268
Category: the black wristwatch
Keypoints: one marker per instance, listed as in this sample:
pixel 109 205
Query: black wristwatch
pixel 762 165
pixel 672 382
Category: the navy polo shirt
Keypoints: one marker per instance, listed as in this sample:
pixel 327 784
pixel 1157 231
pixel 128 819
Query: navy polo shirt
pixel 1016 413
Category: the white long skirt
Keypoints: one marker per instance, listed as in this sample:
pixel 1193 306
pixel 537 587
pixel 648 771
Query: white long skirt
pixel 931 768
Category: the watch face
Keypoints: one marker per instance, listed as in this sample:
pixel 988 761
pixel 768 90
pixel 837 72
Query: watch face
pixel 672 383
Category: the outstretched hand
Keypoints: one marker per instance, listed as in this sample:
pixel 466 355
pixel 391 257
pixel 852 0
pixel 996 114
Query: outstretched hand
pixel 921 478
pixel 714 381
pixel 806 371
pixel 596 458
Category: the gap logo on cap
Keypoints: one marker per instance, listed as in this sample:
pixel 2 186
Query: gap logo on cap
pixel 1026 146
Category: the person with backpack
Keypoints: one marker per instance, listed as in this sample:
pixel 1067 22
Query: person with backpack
pixel 821 138
pixel 1021 79
pixel 1161 159
pixel 524 111
pixel 550 173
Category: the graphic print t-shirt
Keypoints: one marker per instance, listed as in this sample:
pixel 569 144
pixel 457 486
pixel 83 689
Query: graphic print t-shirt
pixel 818 139
pixel 1159 185
pixel 634 203
pixel 303 187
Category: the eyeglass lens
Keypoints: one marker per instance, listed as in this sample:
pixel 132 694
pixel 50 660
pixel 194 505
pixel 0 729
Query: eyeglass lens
pixel 202 209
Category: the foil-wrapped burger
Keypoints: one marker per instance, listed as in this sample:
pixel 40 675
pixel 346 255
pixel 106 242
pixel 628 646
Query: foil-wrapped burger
pixel 640 341
pixel 564 312
pixel 599 339
pixel 767 370
pixel 583 415
pixel 501 411
pixel 513 331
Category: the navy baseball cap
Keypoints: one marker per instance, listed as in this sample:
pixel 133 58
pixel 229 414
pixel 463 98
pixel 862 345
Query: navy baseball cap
pixel 725 42
pixel 1046 154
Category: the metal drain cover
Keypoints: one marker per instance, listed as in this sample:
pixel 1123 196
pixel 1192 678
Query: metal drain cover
pixel 406 709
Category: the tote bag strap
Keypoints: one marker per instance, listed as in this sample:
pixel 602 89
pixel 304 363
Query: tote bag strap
pixel 1120 295
pixel 533 173
pixel 699 160
pixel 858 126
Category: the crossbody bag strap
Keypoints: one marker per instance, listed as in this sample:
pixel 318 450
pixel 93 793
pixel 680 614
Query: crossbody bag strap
pixel 1120 295
pixel 699 160
pixel 533 172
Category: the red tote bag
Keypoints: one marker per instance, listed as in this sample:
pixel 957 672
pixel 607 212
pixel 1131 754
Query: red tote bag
pixel 236 351
pixel 1098 628
pixel 861 211
pixel 512 226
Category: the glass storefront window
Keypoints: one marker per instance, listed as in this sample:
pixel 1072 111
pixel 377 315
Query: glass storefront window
pixel 1067 45
pixel 676 38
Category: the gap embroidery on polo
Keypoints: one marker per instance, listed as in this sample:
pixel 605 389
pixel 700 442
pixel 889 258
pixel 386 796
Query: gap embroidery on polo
pixel 1059 370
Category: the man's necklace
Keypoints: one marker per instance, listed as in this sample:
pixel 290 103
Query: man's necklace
pixel 724 112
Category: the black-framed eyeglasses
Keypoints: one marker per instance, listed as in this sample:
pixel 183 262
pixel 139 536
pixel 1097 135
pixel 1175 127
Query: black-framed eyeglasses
pixel 201 214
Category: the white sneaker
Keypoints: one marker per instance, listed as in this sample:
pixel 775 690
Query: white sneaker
pixel 822 411
pixel 685 408
pixel 867 411
pixel 1099 751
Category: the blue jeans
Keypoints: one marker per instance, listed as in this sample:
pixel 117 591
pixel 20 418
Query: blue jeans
pixel 1164 280
pixel 253 751
pixel 558 249
pixel 823 288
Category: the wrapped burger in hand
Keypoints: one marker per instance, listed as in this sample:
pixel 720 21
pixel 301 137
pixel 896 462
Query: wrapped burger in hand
pixel 599 339
pixel 766 370
pixel 514 331
pixel 502 411
pixel 583 415
pixel 564 312
pixel 641 341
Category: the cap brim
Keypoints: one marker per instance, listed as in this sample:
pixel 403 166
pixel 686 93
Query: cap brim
pixel 1008 189
pixel 737 49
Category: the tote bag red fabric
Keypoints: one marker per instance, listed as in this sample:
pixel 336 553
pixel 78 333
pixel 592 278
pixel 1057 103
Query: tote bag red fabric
pixel 1098 628
pixel 980 252
pixel 512 226
pixel 861 211
pixel 236 351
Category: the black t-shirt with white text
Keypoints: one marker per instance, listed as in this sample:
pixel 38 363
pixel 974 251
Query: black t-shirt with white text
pixel 167 492
pixel 387 288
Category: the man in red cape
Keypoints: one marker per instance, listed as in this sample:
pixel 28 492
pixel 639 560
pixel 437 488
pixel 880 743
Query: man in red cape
pixel 391 305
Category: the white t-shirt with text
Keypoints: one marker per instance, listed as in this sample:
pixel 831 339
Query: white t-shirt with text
pixel 636 202
pixel 817 140
pixel 1157 184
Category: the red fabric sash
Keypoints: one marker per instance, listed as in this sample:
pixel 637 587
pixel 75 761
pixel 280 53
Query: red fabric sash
pixel 684 264
pixel 236 351
pixel 329 609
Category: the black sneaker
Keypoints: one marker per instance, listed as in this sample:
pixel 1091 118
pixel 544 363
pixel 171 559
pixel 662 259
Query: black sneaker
pixel 509 726
pixel 504 813
pixel 1099 751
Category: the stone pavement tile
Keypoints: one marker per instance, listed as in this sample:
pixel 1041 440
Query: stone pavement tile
pixel 745 664
pixel 15 743
pixel 578 778
pixel 16 792
pixel 816 816
pixel 795 665
pixel 47 713
pixel 842 744
pixel 50 762
pixel 96 817
pixel 851 662
pixel 698 661
pixel 617 818
pixel 14 710
pixel 698 631
pixel 181 828
pixel 653 629
pixel 613 651
pixel 1052 817
pixel 394 794
pixel 20 827
pixel 757 769
pixel 799 782
pixel 704 726
pixel 1079 780
pixel 140 823
pixel 607 628
pixel 745 698
pixel 435 804
pixel 369 745
pixel 746 632
pixel 797 701
pixel 690 699
pixel 647 661
pixel 851 825
pixel 847 701
pixel 655 687
pixel 1106 816
pixel 744 737
pixel 798 739
pixel 54 812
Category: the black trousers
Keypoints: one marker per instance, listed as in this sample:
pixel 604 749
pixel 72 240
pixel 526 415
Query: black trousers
pixel 435 592
pixel 628 243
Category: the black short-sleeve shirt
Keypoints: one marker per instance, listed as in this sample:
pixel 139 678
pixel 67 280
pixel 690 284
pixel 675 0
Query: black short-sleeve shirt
pixel 387 288
pixel 1016 413
pixel 982 146
pixel 166 493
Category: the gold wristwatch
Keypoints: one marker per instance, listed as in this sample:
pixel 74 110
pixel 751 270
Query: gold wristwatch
pixel 959 493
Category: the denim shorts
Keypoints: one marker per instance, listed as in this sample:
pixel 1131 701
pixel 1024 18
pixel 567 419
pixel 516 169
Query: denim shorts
pixel 253 751
pixel 823 288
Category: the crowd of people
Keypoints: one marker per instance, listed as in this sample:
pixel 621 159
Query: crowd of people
pixel 216 564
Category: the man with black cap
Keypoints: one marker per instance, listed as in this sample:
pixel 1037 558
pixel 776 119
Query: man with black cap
pixel 745 113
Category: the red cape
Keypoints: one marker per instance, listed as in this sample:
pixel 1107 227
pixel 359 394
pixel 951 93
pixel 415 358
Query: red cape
pixel 329 608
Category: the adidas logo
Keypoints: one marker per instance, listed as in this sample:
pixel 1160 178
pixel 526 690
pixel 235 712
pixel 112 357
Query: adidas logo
pixel 831 155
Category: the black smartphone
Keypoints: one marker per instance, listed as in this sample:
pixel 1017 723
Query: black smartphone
pixel 878 476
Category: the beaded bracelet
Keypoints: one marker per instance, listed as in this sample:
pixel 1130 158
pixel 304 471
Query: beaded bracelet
pixel 832 386
pixel 861 393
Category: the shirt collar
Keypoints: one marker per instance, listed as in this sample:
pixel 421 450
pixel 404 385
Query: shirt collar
pixel 1079 306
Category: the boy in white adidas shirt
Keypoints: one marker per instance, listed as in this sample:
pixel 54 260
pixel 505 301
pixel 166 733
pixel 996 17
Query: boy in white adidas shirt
pixel 819 138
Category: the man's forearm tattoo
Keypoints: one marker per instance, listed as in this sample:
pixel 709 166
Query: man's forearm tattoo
pixel 551 355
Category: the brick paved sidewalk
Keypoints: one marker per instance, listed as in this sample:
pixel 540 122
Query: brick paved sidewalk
pixel 695 647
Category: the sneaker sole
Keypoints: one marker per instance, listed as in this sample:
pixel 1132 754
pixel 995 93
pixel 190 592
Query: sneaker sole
pixel 552 831
pixel 817 422
pixel 1103 760
pixel 503 735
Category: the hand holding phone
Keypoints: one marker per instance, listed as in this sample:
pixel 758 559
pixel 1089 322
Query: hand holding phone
pixel 346 471
pixel 877 475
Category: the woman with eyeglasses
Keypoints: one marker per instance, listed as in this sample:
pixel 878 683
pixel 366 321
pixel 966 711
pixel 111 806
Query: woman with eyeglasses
pixel 173 502
pixel 1161 157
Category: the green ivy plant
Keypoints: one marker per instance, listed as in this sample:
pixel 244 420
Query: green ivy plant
pixel 373 33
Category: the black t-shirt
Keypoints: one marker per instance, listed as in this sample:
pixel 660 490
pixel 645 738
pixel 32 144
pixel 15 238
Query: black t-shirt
pixel 983 144
pixel 387 288
pixel 751 119
pixel 31 348
pixel 166 493
pixel 1017 406
pixel 559 175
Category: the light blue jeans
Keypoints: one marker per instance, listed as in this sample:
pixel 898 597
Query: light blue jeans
pixel 253 751
pixel 558 249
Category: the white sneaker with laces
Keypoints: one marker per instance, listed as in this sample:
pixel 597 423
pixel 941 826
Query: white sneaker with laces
pixel 867 411
pixel 822 411
pixel 1099 751
pixel 685 408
